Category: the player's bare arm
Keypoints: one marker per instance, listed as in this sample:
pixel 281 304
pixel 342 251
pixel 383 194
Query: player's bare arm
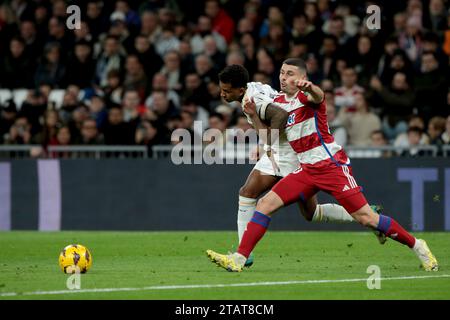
pixel 315 94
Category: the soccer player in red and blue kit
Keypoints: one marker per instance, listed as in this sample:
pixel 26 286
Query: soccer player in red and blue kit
pixel 324 166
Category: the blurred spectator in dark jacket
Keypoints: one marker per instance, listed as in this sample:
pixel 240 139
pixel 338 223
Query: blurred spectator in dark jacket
pixel 398 62
pixel 204 29
pixel 109 59
pixel 396 103
pixel 28 32
pixel 17 67
pixel 96 21
pixel 160 83
pixel 135 76
pixel 19 132
pixel 51 70
pixel 33 108
pixel 431 87
pixel 117 131
pixel 147 55
pixel 148 134
pixel 8 113
pixel 81 66
pixel 58 33
pixel 414 140
pixel 172 70
pixel 97 110
pixel 114 88
pixel 89 134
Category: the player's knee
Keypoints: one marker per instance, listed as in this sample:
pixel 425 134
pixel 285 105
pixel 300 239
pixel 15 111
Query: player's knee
pixel 247 192
pixel 264 206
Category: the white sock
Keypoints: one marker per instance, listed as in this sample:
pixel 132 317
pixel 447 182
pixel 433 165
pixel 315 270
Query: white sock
pixel 246 210
pixel 331 213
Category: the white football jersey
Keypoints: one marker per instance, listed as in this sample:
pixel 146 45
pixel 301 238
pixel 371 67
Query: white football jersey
pixel 262 95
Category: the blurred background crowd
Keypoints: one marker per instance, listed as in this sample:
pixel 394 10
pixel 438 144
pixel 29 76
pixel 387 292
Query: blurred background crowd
pixel 137 70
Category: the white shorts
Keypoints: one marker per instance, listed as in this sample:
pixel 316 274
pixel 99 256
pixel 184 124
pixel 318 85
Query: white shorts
pixel 287 164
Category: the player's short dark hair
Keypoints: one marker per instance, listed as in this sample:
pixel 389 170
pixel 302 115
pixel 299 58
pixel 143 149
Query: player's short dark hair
pixel 236 75
pixel 297 62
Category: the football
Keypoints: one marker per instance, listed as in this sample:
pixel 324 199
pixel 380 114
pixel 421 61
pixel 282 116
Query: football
pixel 75 258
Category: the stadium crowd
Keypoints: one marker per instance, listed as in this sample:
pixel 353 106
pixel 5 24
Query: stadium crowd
pixel 137 70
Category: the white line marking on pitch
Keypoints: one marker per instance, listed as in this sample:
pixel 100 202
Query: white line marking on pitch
pixel 208 286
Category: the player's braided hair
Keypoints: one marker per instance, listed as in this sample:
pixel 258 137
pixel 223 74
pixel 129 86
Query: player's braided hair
pixel 236 75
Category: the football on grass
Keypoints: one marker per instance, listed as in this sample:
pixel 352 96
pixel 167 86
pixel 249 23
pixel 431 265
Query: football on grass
pixel 75 258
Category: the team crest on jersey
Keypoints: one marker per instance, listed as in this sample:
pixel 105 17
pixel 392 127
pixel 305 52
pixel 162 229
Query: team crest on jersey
pixel 291 119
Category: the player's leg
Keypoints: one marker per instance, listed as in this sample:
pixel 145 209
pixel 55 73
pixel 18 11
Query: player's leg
pixel 354 202
pixel 256 184
pixel 285 192
pixel 323 213
pixel 395 231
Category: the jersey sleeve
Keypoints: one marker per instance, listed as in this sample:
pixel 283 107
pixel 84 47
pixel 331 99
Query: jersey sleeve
pixel 262 96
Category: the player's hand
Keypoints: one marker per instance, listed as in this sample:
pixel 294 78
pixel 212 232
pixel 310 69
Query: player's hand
pixel 249 108
pixel 304 85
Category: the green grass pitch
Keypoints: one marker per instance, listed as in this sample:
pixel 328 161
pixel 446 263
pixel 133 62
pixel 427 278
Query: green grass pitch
pixel 173 265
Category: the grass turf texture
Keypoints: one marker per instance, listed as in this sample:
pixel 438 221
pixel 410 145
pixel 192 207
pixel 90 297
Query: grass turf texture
pixel 29 263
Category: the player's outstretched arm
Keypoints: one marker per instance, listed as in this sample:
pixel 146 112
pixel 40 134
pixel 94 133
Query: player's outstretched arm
pixel 316 95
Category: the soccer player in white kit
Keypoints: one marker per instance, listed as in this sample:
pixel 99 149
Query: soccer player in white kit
pixel 279 160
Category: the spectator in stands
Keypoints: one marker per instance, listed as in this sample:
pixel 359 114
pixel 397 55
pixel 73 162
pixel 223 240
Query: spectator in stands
pixel 51 70
pixel 148 134
pixel 83 33
pixel 167 41
pixel 398 62
pixel 361 123
pixel 379 139
pixel 63 138
pixel 113 90
pixel 81 66
pixel 345 95
pixel 8 113
pixel 162 107
pixel 97 110
pixel 436 127
pixel 213 52
pixel 117 131
pixel 96 21
pixel 221 21
pixel 172 70
pixel 50 128
pixel 414 140
pixel 58 33
pixel 414 122
pixel 438 16
pixel 160 83
pixel 397 104
pixel 16 67
pixel 131 105
pixel 204 29
pixel 197 112
pixel 431 87
pixel 19 132
pixel 90 134
pixel 337 29
pixel 135 76
pixel 147 55
pixel 150 26
pixel 205 68
pixel 33 108
pixel 29 35
pixel 109 59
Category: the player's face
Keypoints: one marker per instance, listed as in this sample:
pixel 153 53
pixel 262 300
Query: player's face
pixel 230 94
pixel 288 75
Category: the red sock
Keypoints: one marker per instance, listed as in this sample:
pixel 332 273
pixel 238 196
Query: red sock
pixel 256 229
pixel 395 231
